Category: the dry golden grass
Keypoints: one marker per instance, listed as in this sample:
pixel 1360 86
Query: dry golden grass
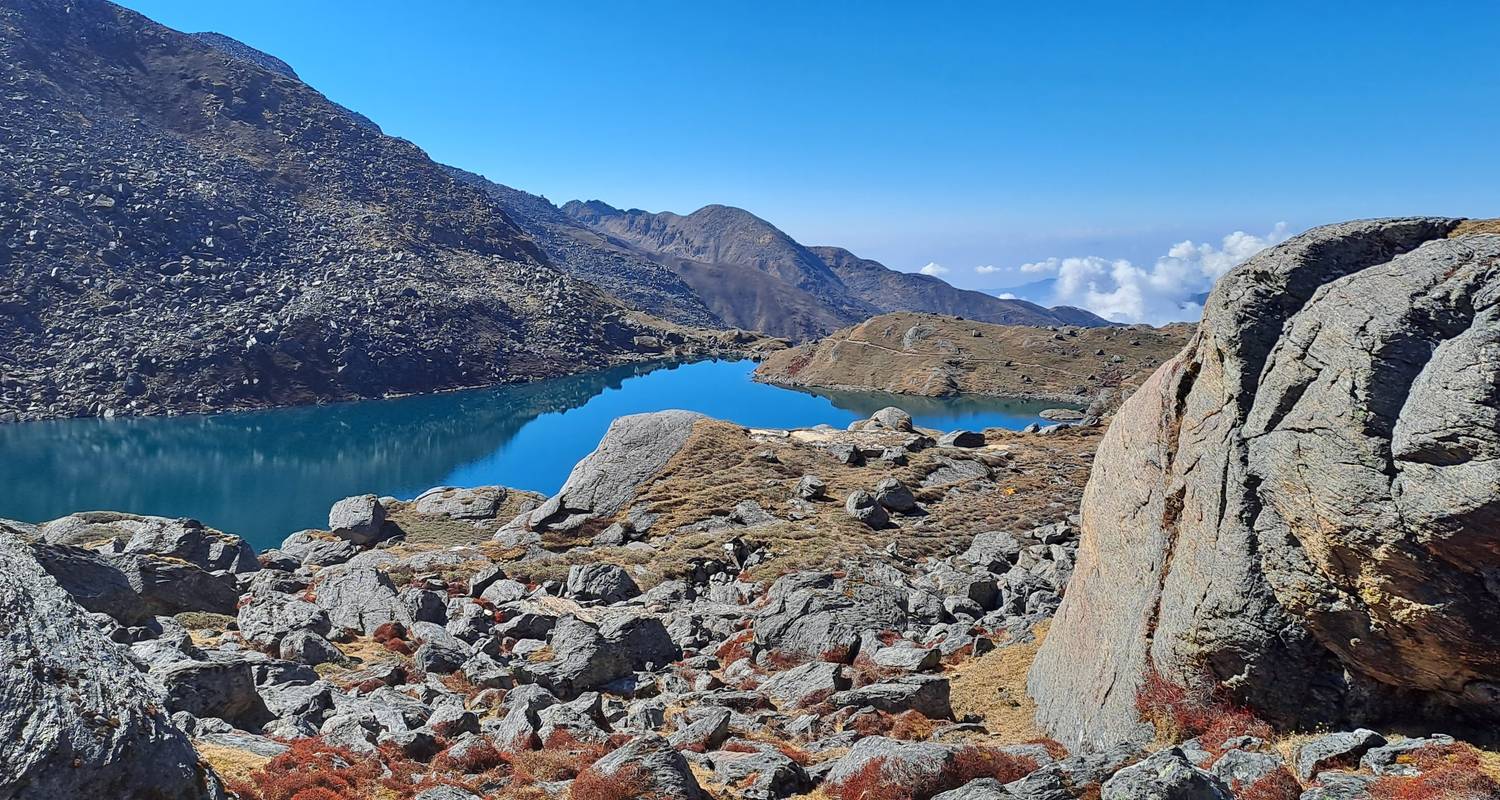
pixel 1036 480
pixel 232 763
pixel 993 687
pixel 1470 227
pixel 427 530
pixel 1005 360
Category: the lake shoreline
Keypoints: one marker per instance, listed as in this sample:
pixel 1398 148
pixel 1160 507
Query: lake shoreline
pixel 22 418
pixel 263 473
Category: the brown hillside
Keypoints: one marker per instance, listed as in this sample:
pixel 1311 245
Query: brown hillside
pixel 932 355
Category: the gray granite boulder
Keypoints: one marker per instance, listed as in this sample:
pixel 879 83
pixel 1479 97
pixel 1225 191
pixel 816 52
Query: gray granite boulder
pixel 660 770
pixel 359 519
pixel 1164 775
pixel 268 617
pixel 77 718
pixel 606 583
pixel 862 506
pixel 1334 750
pixel 360 599
pixel 634 450
pixel 1319 462
pixel 925 694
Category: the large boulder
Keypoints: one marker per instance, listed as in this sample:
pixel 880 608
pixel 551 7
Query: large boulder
pixel 131 587
pixel 361 599
pixel 634 450
pixel 1303 501
pixel 186 539
pixel 648 765
pixel 359 519
pixel 77 718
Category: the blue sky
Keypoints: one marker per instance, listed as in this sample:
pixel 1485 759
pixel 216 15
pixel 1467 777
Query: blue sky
pixel 964 134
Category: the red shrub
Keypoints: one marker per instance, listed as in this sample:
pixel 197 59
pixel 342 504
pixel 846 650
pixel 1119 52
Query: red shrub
pixel 911 726
pixel 389 630
pixel 481 757
pixel 838 654
pixel 794 752
pixel 561 757
pixel 782 660
pixel 626 783
pixel 870 783
pixel 1278 785
pixel 1451 772
pixel 1181 712
pixel 866 671
pixel 1054 748
pixel 976 761
pixel 734 648
pixel 311 769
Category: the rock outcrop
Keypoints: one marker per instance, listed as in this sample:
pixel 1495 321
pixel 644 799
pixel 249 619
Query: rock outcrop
pixel 633 450
pixel 77 718
pixel 1303 503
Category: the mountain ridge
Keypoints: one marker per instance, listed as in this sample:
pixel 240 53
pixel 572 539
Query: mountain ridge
pixel 702 245
pixel 189 230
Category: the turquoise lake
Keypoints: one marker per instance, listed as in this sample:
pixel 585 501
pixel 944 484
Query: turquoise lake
pixel 265 474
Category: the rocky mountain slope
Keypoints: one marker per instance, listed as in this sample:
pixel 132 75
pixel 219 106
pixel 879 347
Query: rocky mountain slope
pixel 588 255
pixel 891 290
pixel 185 229
pixel 1301 507
pixel 754 276
pixel 927 354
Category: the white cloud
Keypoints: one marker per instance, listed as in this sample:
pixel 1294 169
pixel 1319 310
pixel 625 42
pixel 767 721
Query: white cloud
pixel 934 269
pixel 1166 291
pixel 986 269
pixel 1007 296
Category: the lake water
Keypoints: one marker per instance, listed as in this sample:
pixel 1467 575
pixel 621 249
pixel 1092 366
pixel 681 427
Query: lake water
pixel 265 474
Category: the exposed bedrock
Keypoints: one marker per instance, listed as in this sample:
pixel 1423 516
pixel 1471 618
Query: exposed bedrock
pixel 1305 503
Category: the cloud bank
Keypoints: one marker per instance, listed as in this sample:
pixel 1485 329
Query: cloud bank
pixel 934 269
pixel 1169 290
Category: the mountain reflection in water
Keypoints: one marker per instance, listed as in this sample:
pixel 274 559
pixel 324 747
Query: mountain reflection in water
pixel 264 474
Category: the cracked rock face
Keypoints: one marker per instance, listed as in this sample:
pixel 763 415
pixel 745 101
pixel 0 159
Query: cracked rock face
pixel 77 718
pixel 1304 502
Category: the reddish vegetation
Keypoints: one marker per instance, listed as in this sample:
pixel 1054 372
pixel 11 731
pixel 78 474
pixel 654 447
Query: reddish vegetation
pixel 392 636
pixel 781 660
pixel 626 783
pixel 472 760
pixel 1278 785
pixel 734 648
pixel 1452 772
pixel 838 654
pixel 866 671
pixel 312 769
pixel 910 726
pixel 878 780
pixel 1181 712
pixel 1054 748
pixel 562 757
